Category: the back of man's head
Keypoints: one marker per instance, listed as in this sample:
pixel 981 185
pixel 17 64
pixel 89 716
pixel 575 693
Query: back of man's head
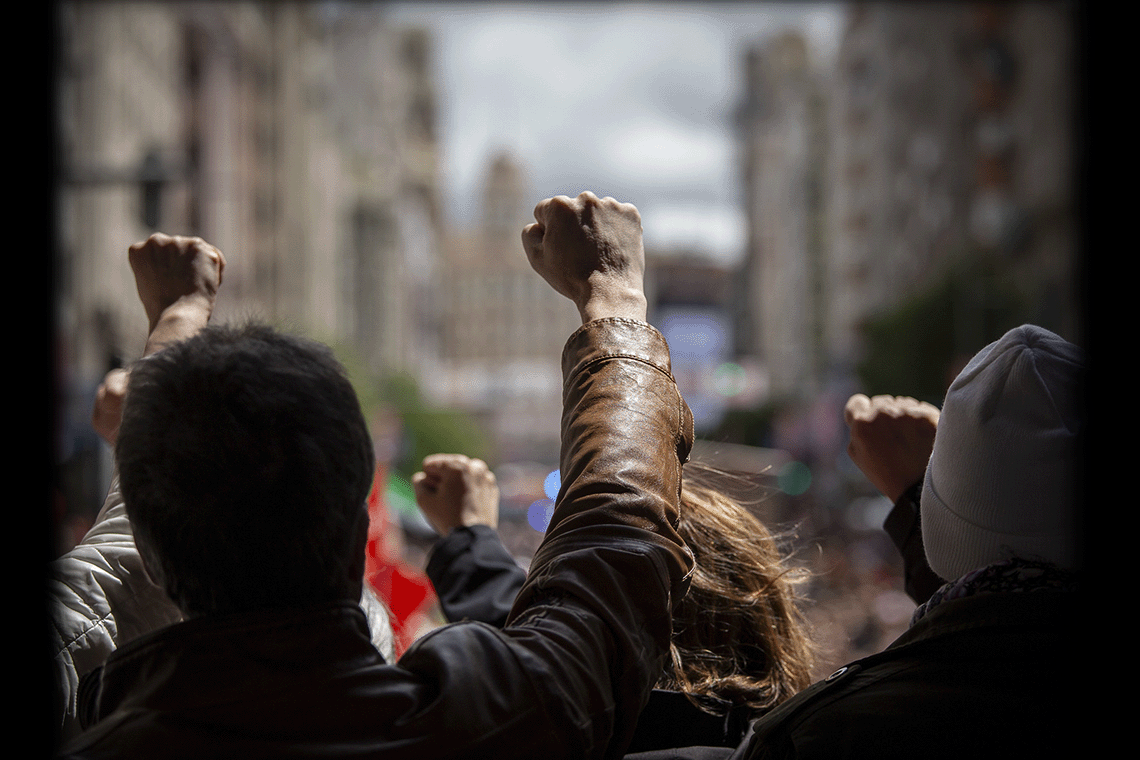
pixel 245 463
pixel 1001 477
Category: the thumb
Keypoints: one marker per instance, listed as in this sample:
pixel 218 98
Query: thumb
pixel 857 408
pixel 420 487
pixel 532 235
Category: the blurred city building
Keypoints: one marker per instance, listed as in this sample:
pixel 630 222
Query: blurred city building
pixel 782 124
pixel 299 138
pixel 782 295
pixel 502 332
pixel 933 160
pixel 952 139
pixel 941 140
pixel 900 174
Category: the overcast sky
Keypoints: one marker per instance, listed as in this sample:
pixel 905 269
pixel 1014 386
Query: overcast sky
pixel 632 100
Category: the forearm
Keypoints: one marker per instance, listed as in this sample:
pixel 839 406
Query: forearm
pixel 612 546
pixel 474 576
pixel 625 433
pixel 177 322
pixel 904 527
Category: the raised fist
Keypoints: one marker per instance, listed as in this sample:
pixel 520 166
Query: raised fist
pixel 891 440
pixel 589 249
pixel 108 411
pixel 454 490
pixel 169 269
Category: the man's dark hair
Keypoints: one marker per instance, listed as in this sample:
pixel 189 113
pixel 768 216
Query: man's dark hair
pixel 245 463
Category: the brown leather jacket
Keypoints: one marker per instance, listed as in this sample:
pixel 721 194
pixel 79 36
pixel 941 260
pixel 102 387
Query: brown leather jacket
pixel 567 677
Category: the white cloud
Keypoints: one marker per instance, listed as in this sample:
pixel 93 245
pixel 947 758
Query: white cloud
pixel 714 229
pixel 657 152
pixel 632 99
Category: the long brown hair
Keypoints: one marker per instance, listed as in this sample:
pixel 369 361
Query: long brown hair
pixel 739 635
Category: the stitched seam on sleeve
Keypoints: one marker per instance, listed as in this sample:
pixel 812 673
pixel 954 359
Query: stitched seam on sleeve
pixel 610 320
pixel 680 437
pixel 631 357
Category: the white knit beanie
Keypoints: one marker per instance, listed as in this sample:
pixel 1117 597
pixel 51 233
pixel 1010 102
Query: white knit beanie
pixel 1000 479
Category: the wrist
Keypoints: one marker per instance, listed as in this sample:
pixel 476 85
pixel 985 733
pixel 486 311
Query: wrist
pixel 911 495
pixel 179 321
pixel 903 520
pixel 626 302
pixel 471 522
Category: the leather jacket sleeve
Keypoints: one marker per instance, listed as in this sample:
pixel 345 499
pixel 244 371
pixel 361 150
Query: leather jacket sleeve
pixel 612 543
pixel 588 633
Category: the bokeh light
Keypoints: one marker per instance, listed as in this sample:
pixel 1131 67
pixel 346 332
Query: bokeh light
pixel 729 379
pixel 551 485
pixel 539 513
pixel 795 478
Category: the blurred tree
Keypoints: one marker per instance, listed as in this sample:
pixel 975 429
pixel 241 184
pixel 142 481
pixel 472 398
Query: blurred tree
pixel 918 347
pixel 425 429
pixel 749 427
pixel 429 429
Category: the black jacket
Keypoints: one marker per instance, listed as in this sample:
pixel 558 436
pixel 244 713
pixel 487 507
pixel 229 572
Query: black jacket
pixel 568 676
pixel 985 676
pixel 988 676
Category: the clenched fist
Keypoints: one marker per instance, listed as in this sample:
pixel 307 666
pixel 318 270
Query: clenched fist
pixel 172 269
pixel 891 440
pixel 589 249
pixel 454 490
pixel 108 411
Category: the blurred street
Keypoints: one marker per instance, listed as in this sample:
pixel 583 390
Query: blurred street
pixel 836 198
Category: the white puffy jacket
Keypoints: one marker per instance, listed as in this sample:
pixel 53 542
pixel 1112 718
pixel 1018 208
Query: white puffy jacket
pixel 101 597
